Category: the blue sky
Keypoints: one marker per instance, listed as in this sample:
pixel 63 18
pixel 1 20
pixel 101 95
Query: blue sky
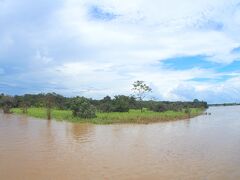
pixel 182 49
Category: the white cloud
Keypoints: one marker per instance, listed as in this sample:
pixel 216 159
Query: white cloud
pixel 228 91
pixel 98 57
pixel 165 29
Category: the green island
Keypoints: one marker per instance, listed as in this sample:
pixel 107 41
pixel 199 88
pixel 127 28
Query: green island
pixel 109 110
pixel 133 116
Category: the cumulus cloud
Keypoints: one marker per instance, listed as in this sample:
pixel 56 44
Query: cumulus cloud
pixel 227 91
pixel 95 48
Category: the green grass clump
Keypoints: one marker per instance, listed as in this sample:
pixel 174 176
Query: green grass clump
pixel 133 116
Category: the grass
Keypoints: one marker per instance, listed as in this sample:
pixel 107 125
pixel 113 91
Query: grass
pixel 133 116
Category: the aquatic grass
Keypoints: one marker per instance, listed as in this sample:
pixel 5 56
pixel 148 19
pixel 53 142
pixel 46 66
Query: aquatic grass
pixel 133 116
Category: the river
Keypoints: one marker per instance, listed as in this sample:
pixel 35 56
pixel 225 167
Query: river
pixel 205 147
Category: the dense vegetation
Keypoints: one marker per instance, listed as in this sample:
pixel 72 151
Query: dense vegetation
pixel 120 103
pixel 225 104
pixel 120 108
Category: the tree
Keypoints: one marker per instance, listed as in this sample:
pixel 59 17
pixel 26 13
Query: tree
pixel 23 103
pixel 106 104
pixel 196 101
pixel 140 90
pixel 81 107
pixel 49 102
pixel 158 107
pixel 121 103
pixel 7 102
pixel 59 101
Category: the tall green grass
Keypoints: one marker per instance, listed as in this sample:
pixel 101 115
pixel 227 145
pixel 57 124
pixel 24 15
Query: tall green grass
pixel 133 116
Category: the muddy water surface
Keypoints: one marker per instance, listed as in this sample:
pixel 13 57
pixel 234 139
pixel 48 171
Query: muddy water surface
pixel 205 147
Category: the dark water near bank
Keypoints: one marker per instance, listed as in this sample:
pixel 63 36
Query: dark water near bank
pixel 205 147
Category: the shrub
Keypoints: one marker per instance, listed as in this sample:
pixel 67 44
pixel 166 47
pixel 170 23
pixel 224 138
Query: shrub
pixel 7 102
pixel 188 112
pixel 82 108
pixel 105 104
pixel 158 107
pixel 121 103
pixel 105 107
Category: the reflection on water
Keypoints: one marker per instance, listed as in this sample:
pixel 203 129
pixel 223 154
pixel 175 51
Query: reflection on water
pixel 205 147
pixel 79 132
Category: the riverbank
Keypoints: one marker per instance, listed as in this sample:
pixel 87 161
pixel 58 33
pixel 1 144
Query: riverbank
pixel 133 116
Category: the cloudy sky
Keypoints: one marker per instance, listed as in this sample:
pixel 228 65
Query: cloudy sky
pixel 183 49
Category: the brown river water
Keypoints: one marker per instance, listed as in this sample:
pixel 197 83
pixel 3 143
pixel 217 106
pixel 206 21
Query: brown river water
pixel 205 147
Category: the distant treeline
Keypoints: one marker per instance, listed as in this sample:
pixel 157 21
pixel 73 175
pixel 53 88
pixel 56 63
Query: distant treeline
pixel 119 103
pixel 225 104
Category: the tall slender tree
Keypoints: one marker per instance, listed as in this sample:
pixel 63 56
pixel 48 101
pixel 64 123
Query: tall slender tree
pixel 50 101
pixel 140 90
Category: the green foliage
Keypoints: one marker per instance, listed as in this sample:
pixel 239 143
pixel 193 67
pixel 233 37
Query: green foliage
pixel 196 101
pixel 106 104
pixel 173 106
pixel 187 111
pixel 7 102
pixel 23 103
pixel 158 107
pixel 121 103
pixel 82 108
pixel 41 100
pixel 140 90
pixel 37 100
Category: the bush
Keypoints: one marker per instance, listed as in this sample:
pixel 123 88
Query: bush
pixel 121 103
pixel 105 104
pixel 105 107
pixel 158 107
pixel 82 108
pixel 187 111
pixel 6 102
